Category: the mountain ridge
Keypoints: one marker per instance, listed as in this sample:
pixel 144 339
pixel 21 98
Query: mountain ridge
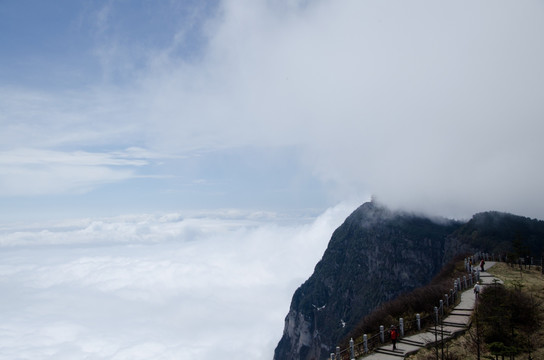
pixel 375 255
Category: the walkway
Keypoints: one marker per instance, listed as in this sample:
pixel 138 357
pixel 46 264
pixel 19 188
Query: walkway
pixel 457 322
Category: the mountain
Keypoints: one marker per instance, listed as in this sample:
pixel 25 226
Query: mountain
pixel 503 233
pixel 376 255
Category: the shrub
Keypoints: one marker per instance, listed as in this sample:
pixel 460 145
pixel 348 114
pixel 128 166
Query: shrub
pixel 421 300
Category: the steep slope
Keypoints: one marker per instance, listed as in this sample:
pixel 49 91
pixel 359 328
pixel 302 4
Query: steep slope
pixel 375 255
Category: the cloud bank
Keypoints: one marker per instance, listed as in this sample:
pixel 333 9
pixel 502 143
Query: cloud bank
pixel 155 287
pixel 428 106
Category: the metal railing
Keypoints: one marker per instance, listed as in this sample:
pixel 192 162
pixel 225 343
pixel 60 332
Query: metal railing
pixel 371 342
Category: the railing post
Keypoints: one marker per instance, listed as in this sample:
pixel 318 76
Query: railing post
pixel 418 319
pixel 447 300
pixel 436 315
pixel 365 343
pixel 442 308
pixel 465 281
pixel 382 334
pixel 452 295
pixel 337 353
pixel 332 356
pixel 459 285
pixel 478 274
pixel 401 325
pixel 351 349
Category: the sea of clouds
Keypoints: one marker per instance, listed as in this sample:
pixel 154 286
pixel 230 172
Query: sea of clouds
pixel 198 286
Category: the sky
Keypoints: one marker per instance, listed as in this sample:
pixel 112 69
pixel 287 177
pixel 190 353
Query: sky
pixel 252 121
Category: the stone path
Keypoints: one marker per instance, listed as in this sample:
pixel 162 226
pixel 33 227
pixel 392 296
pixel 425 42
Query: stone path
pixel 457 321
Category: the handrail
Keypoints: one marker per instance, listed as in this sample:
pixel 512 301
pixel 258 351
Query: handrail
pixel 374 341
pixel 370 343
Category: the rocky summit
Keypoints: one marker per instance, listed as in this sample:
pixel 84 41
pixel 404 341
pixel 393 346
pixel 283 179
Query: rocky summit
pixel 377 254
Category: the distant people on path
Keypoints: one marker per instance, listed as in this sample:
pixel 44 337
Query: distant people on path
pixel 394 336
pixel 482 263
pixel 477 290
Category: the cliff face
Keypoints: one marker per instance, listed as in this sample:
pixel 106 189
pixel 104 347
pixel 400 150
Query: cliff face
pixel 371 258
pixel 377 254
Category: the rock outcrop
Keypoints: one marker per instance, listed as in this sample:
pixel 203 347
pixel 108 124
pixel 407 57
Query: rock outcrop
pixel 374 256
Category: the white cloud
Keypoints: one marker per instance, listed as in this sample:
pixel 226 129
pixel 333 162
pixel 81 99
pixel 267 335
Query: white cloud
pixel 53 119
pixel 80 158
pixel 147 287
pixel 434 107
pixel 29 171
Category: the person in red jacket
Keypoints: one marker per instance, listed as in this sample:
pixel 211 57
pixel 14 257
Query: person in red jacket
pixel 394 336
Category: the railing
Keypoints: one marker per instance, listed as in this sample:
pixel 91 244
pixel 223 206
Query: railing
pixel 522 262
pixel 370 343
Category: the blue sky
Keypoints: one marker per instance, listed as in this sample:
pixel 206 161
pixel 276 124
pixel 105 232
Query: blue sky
pixel 79 140
pixel 170 162
pixel 121 106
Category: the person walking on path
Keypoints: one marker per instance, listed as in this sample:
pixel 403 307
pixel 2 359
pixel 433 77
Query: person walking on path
pixel 477 290
pixel 394 336
pixel 482 263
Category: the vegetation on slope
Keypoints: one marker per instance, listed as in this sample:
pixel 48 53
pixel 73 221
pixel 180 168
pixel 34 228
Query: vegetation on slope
pixel 503 233
pixel 507 322
pixel 421 300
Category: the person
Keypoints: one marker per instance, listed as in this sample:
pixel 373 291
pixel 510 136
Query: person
pixel 477 290
pixel 394 336
pixel 482 263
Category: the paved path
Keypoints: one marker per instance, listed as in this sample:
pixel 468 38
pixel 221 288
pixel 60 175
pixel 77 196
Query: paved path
pixel 457 321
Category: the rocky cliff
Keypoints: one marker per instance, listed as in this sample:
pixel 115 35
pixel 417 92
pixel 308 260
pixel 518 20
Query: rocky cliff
pixel 374 256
